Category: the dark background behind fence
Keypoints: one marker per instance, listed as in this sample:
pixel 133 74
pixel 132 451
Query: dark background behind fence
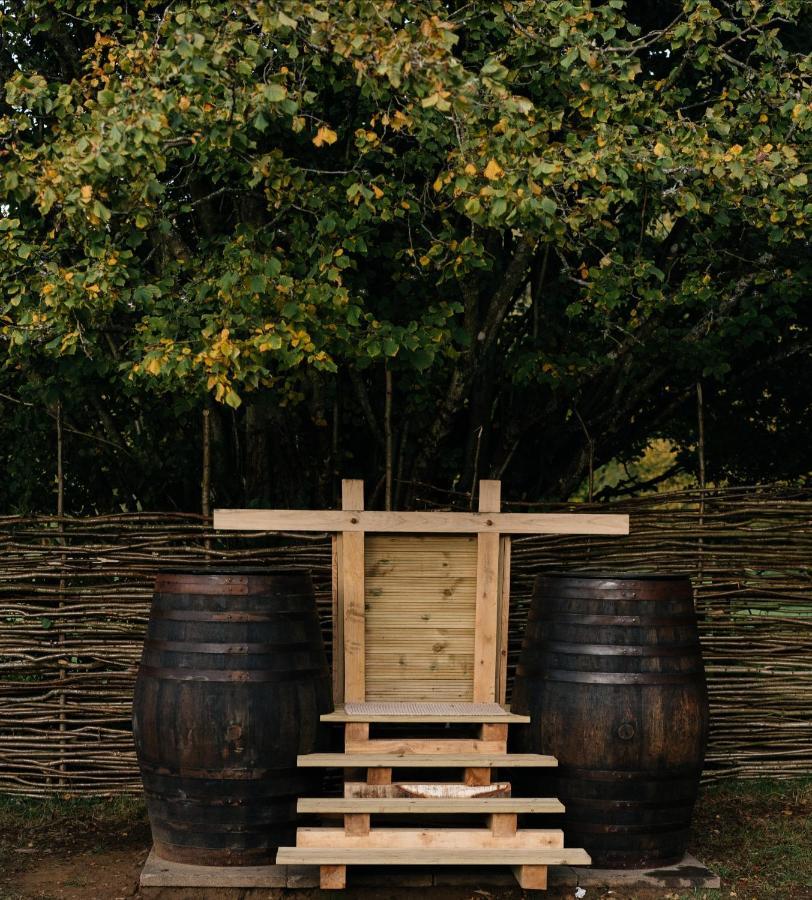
pixel 74 602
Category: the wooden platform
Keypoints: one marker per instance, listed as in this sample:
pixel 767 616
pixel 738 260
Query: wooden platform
pixel 425 760
pixel 425 713
pixel 159 874
pixel 420 613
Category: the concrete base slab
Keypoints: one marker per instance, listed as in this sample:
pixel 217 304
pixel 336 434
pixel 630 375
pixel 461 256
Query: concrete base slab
pixel 688 873
pixel 161 873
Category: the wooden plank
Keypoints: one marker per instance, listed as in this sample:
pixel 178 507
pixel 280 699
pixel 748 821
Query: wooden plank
pixel 425 761
pixel 503 619
pixel 352 578
pixel 435 838
pixel 403 746
pixel 420 600
pixel 338 621
pixel 531 878
pixel 487 599
pixel 436 522
pixel 332 878
pixel 426 713
pixel 429 805
pixel 491 731
pixel 429 856
pixel 437 790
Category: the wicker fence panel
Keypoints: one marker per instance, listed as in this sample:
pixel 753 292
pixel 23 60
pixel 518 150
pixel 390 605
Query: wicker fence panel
pixel 74 601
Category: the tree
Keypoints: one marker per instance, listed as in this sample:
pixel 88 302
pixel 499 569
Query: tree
pixel 540 224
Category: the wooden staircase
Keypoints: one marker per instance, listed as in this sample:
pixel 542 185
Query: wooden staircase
pixel 374 792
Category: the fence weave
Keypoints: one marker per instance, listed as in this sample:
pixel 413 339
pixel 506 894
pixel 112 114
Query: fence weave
pixel 74 602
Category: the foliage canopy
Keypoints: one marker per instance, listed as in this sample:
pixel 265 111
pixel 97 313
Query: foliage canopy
pixel 539 223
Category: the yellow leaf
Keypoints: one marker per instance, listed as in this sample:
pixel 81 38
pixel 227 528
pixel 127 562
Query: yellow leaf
pixel 184 103
pixel 438 184
pixel 470 169
pixel 660 149
pixel 153 367
pixel 377 192
pixel 493 171
pixel 325 135
pixel 48 289
pixel 87 193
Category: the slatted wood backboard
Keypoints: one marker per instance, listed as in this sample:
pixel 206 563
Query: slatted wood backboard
pixel 420 605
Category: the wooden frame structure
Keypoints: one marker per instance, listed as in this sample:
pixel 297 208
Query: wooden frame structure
pixel 420 639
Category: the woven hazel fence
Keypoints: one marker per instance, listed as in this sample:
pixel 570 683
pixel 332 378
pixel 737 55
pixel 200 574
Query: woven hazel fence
pixel 75 593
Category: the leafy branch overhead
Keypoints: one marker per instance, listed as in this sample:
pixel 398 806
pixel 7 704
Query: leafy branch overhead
pixel 504 200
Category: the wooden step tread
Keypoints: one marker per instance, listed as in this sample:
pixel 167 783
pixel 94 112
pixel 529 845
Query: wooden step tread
pixel 430 805
pixel 425 761
pixel 424 713
pixel 429 856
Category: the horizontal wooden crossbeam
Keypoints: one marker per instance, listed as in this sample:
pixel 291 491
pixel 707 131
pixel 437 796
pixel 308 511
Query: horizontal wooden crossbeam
pixel 341 520
pixel 430 857
pixel 424 805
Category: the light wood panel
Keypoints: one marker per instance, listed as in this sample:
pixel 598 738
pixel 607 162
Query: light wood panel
pixel 487 599
pixel 426 761
pixel 425 713
pixel 434 791
pixel 420 601
pixel 351 573
pixel 451 805
pixel 437 522
pixel 550 856
pixel 435 838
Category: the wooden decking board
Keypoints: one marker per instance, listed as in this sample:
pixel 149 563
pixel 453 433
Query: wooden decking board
pixel 351 856
pixel 430 805
pixel 424 713
pixel 426 761
pixel 435 838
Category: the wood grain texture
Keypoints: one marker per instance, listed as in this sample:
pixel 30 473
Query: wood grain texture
pixel 487 599
pixel 420 597
pixel 425 805
pixel 550 856
pixel 427 761
pixel 351 575
pixel 425 713
pixel 531 878
pixel 327 520
pixel 435 838
pixel 438 790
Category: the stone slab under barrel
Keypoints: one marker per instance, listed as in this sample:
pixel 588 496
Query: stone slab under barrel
pixel 611 674
pixel 232 682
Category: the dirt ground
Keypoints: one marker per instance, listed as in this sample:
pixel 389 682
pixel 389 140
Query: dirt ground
pixel 756 835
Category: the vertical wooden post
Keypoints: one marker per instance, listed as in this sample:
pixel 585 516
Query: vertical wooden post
pixel 487 594
pixel 351 575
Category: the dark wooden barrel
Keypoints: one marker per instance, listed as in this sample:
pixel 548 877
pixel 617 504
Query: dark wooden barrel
pixel 611 674
pixel 232 682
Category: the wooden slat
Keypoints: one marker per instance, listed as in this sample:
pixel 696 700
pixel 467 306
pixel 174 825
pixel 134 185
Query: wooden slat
pixel 437 522
pixel 352 856
pixel 425 761
pixel 429 805
pixel 435 838
pixel 338 620
pixel 503 623
pixel 403 746
pixel 487 599
pixel 419 790
pixel 420 598
pixel 352 576
pixel 332 878
pixel 422 761
pixel 416 713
